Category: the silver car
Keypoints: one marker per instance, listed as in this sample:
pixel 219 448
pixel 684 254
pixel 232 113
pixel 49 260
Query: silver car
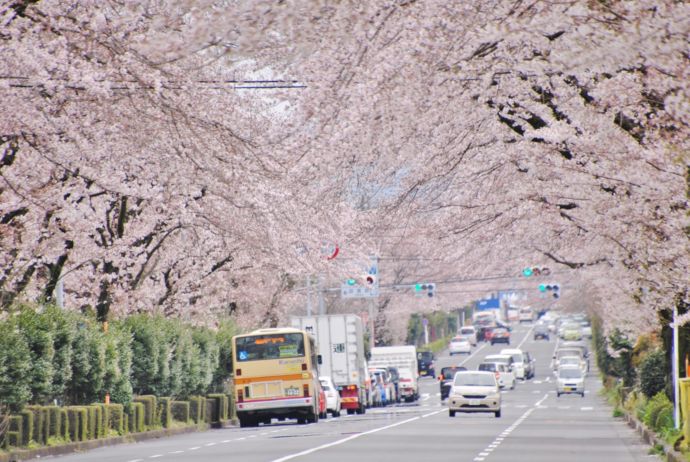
pixel 570 379
pixel 474 391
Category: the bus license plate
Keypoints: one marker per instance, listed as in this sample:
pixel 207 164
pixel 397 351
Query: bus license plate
pixel 292 391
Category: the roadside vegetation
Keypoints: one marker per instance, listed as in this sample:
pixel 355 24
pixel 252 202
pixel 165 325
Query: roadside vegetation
pixel 637 380
pixel 58 369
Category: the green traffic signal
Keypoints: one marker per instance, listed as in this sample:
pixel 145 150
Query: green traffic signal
pixel 527 272
pixel 351 282
pixel 417 287
pixel 542 287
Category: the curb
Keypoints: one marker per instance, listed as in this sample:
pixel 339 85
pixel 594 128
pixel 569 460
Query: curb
pixel 649 437
pixel 26 454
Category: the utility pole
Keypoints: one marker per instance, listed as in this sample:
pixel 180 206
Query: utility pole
pixel 322 307
pixel 308 295
pixel 676 390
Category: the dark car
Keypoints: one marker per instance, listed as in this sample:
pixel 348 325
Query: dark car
pixel 446 379
pixel 541 331
pixel 500 335
pixel 425 363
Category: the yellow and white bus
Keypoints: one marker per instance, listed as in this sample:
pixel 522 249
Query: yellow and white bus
pixel 275 376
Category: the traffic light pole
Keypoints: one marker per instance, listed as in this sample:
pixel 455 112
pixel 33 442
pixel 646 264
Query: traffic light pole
pixel 371 322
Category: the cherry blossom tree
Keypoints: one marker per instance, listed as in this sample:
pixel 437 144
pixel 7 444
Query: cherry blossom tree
pixel 191 157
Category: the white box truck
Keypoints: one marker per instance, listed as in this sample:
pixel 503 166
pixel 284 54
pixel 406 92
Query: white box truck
pixel 340 342
pixel 404 359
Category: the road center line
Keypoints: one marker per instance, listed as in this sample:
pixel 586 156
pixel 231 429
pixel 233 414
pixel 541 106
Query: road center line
pixel 344 440
pixel 525 337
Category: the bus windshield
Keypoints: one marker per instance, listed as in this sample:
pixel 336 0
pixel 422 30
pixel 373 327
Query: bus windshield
pixel 269 346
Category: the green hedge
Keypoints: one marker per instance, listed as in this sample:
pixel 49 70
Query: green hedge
pixel 115 417
pixel 136 417
pixel 197 409
pixel 55 354
pixel 164 414
pixel 221 402
pixel 150 410
pixel 15 435
pixel 180 411
pixel 27 426
pixel 78 423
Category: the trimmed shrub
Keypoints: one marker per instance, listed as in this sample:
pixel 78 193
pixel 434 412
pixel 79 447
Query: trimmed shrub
pixel 88 363
pixel 40 422
pixel 95 422
pixel 27 426
pixel 115 417
pixel 653 373
pixel 135 419
pixel 222 406
pixel 654 407
pixel 15 435
pixel 118 364
pixel 37 330
pixel 164 415
pixel 103 420
pixel 180 411
pixel 197 408
pixel 150 408
pixel 78 423
pixel 64 424
pixel 211 411
pixel 54 422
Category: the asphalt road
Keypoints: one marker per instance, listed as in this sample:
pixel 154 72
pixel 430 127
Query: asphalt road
pixel 535 426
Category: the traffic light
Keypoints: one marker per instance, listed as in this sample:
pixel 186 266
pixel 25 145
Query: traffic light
pixel 430 287
pixel 421 288
pixel 370 279
pixel 553 288
pixel 536 271
pixel 351 282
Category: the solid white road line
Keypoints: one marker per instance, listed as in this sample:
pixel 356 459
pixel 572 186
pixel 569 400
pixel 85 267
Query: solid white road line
pixel 344 440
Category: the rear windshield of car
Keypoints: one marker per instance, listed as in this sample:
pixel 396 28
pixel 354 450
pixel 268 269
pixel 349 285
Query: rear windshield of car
pixel 491 367
pixel 467 330
pixel 505 360
pixel 570 373
pixel 479 380
pixel 569 352
pixel 449 372
pixel 517 357
pixel 425 355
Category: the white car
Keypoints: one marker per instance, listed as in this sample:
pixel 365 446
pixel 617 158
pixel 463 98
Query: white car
pixel 474 391
pixel 470 333
pixel 332 396
pixel 518 361
pixel 570 379
pixel 573 361
pixel 459 345
pixel 504 376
